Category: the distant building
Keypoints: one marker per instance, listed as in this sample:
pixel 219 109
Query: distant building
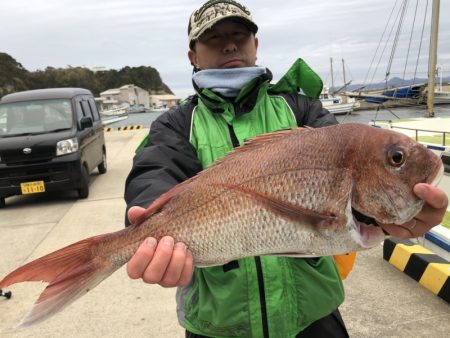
pixel 125 96
pixel 164 101
pixel 96 69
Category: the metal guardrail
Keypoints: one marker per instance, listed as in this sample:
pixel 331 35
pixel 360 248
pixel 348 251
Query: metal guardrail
pixel 444 133
pixel 445 155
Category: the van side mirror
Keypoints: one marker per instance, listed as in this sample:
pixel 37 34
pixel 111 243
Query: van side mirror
pixel 86 122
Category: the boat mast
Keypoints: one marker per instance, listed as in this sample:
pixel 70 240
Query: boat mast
pixel 433 57
pixel 332 74
pixel 343 71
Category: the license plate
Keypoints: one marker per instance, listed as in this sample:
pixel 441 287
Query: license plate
pixel 32 187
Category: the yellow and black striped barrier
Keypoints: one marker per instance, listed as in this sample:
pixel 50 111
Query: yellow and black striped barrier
pixel 123 128
pixel 130 127
pixel 429 269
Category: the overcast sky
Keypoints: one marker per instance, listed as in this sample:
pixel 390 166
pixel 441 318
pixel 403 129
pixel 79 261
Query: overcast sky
pixel 118 33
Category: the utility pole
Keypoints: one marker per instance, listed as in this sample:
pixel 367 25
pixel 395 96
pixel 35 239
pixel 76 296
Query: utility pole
pixel 433 57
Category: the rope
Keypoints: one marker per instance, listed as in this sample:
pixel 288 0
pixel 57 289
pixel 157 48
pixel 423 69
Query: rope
pixel 379 42
pixel 410 39
pixel 397 34
pixel 420 45
pixel 385 45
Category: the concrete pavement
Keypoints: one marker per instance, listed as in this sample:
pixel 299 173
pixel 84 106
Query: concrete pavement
pixel 35 225
pixel 381 301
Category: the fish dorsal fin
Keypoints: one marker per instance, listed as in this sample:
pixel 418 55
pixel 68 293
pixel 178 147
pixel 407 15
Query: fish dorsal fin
pixel 257 142
pixel 263 139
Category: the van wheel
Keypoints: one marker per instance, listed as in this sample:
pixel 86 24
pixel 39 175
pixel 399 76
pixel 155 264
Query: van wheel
pixel 83 191
pixel 2 202
pixel 102 167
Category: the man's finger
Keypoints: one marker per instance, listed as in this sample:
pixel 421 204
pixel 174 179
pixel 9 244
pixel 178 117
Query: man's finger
pixel 134 213
pixel 435 197
pixel 431 216
pixel 411 229
pixel 160 261
pixel 140 260
pixel 188 270
pixel 175 267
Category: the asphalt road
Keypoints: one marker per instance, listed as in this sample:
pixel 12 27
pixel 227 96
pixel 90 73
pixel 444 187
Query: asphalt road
pixel 380 302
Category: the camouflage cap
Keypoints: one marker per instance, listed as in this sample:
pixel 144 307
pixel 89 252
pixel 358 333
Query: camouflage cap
pixel 213 11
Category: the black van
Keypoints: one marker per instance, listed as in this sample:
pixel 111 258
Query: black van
pixel 50 139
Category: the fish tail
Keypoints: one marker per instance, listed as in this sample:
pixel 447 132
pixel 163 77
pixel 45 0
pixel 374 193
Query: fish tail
pixel 71 272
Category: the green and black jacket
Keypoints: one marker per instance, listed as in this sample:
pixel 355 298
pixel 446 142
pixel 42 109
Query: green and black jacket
pixel 257 296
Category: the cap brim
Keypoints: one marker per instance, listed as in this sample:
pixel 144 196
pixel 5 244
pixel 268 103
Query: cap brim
pixel 252 27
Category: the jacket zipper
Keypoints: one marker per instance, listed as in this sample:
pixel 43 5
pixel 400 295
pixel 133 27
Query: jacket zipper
pixel 262 297
pixel 259 273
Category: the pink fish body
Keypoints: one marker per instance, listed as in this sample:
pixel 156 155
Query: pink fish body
pixel 287 193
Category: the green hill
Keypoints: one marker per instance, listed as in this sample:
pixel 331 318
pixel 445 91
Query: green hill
pixel 14 77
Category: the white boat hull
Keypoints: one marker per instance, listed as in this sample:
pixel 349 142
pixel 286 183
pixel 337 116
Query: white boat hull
pixel 441 97
pixel 114 112
pixel 339 108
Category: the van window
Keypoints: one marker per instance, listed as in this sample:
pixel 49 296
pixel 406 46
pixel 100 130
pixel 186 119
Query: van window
pixel 94 109
pixel 79 110
pixel 35 117
pixel 86 109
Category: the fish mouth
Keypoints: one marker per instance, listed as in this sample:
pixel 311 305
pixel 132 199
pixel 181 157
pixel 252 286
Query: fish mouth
pixel 370 233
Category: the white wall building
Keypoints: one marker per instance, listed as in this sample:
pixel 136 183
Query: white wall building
pixel 125 96
pixel 164 101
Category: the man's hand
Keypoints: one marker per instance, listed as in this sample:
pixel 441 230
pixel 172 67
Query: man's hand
pixel 432 213
pixel 167 263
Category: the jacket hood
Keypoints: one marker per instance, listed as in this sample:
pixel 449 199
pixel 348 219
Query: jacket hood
pixel 300 77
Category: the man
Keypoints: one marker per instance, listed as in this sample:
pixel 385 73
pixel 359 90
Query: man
pixel 256 296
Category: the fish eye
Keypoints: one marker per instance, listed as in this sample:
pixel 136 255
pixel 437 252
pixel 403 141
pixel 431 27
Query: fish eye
pixel 396 157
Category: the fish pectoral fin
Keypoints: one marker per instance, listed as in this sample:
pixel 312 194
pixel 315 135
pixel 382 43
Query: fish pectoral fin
pixel 287 209
pixel 294 211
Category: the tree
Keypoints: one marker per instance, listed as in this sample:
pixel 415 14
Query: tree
pixel 14 77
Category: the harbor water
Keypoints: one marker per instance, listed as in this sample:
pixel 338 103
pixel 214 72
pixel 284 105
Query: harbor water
pixel 362 116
